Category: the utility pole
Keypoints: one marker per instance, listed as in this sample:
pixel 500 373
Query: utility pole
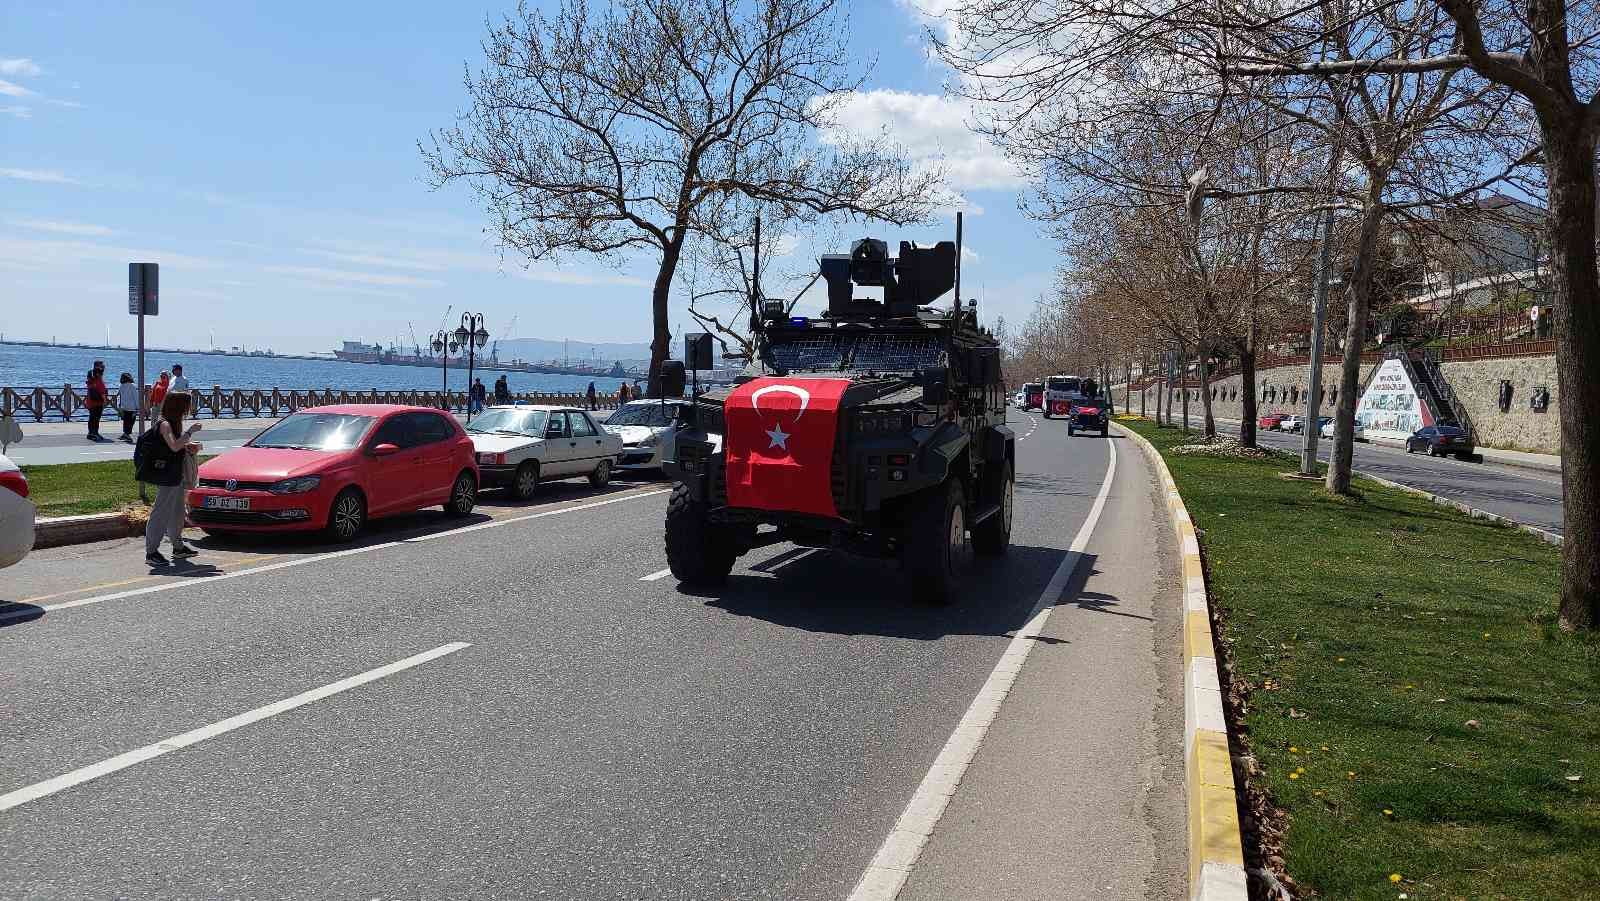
pixel 1319 306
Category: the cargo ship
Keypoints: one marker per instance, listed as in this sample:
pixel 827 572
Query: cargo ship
pixel 358 352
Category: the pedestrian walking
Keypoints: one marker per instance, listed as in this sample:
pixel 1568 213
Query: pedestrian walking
pixel 622 394
pixel 127 404
pixel 158 391
pixel 502 390
pixel 594 403
pixel 475 396
pixel 179 383
pixel 160 460
pixel 94 398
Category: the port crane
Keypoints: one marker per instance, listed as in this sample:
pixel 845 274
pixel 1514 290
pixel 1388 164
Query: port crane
pixel 494 351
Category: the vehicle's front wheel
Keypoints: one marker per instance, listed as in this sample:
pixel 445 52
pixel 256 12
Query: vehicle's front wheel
pixel 525 482
pixel 937 551
pixel 347 516
pixel 463 495
pixel 699 551
pixel 601 474
pixel 992 537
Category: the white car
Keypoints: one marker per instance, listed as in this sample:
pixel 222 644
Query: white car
pixel 646 428
pixel 16 514
pixel 519 447
pixel 1359 435
pixel 1293 423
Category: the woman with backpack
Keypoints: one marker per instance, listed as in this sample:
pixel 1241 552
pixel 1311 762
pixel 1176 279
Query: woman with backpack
pixel 161 462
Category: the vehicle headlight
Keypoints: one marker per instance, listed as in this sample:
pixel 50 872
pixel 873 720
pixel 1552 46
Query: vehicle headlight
pixel 296 486
pixel 651 440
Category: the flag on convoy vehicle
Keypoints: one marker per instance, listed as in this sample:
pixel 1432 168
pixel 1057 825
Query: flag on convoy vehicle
pixel 779 443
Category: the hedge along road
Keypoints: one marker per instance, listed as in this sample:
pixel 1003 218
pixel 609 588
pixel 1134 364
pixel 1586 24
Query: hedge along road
pixel 510 709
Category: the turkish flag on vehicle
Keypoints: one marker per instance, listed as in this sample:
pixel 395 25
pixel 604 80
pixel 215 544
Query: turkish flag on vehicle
pixel 779 444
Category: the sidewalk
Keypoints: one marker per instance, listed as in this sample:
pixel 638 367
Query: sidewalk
pixel 1523 459
pixel 111 426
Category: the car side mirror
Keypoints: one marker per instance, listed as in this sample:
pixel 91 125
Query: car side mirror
pixel 385 450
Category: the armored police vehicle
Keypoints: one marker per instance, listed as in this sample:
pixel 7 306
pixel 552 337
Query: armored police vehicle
pixel 877 428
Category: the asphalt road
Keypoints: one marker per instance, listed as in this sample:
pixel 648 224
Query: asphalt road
pixel 1525 495
pixel 522 706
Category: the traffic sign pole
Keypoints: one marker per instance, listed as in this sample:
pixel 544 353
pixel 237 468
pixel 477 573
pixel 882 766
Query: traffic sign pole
pixel 143 297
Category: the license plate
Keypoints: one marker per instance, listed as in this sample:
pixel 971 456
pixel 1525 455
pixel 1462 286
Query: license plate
pixel 227 503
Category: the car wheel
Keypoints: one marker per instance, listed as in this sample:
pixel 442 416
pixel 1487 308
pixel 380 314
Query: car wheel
pixel 348 515
pixel 1105 431
pixel 992 537
pixel 937 550
pixel 463 495
pixel 525 483
pixel 699 551
pixel 601 474
pixel 1069 430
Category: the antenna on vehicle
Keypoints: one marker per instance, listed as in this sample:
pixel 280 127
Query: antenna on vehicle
pixel 755 282
pixel 958 264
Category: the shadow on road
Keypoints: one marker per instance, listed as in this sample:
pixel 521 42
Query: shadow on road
pixel 848 595
pixel 14 614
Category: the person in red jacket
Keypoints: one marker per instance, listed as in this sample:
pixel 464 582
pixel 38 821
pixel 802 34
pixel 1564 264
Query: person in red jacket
pixel 95 398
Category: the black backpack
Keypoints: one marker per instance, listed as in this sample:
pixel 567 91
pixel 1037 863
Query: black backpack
pixel 155 463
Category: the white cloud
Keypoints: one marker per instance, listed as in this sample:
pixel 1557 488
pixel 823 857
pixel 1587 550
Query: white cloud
pixel 21 112
pixel 346 277
pixel 24 67
pixel 968 255
pixel 369 259
pixel 71 256
pixel 13 90
pixel 571 277
pixel 69 104
pixel 40 175
pixel 64 228
pixel 932 130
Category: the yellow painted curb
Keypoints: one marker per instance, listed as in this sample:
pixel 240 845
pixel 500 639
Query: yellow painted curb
pixel 1216 851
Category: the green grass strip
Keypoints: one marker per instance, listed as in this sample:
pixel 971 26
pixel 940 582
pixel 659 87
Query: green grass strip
pixel 1439 716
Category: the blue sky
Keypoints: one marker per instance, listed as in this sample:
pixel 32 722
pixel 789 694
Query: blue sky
pixel 265 155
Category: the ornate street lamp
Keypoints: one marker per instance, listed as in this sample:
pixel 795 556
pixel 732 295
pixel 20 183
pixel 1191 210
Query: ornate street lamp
pixel 471 335
pixel 446 344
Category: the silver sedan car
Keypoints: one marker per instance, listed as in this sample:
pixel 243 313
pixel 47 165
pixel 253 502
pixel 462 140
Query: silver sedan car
pixel 645 427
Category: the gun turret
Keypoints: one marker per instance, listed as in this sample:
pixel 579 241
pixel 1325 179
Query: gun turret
pixel 916 278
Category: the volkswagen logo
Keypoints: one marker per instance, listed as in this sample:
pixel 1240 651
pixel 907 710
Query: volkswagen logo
pixel 232 485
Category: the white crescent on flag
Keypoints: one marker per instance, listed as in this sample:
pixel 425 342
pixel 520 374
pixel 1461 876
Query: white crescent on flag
pixel 796 390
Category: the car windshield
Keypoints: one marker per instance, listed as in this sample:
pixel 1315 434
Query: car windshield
pixel 316 431
pixel 651 413
pixel 830 350
pixel 1063 383
pixel 498 421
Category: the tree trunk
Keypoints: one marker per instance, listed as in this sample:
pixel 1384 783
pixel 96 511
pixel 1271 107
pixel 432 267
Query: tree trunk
pixel 1570 166
pixel 1355 337
pixel 1183 382
pixel 1205 395
pixel 1247 393
pixel 661 293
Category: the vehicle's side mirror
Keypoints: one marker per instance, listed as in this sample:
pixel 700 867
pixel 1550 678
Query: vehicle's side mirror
pixel 385 450
pixel 935 386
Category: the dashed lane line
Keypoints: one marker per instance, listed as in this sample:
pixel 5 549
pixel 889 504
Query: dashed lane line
pixel 657 575
pixel 886 875
pixel 194 736
pixel 304 561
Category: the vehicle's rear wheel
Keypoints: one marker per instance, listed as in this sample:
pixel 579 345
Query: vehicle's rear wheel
pixel 463 495
pixel 348 515
pixel 1070 430
pixel 601 474
pixel 699 551
pixel 1105 430
pixel 525 482
pixel 992 537
pixel 937 551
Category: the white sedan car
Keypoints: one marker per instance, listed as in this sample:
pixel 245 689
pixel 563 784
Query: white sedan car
pixel 1360 430
pixel 519 447
pixel 16 514
pixel 645 427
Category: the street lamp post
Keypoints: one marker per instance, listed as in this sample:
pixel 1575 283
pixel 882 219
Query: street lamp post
pixel 445 344
pixel 471 335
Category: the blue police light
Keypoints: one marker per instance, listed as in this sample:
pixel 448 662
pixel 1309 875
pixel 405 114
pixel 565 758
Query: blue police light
pixel 798 321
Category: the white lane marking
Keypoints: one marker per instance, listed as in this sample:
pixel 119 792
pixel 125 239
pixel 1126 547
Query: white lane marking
pixel 332 555
pixel 660 574
pixel 194 736
pixel 891 866
pixel 779 561
pixel 1032 425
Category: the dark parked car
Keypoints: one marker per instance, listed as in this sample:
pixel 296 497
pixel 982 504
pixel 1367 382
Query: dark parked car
pixel 1440 440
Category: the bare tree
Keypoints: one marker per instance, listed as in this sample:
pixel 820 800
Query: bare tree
pixel 614 131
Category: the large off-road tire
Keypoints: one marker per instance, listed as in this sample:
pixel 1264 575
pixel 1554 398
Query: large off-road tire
pixel 1105 431
pixel 699 551
pixel 937 551
pixel 347 516
pixel 1070 430
pixel 992 537
pixel 525 481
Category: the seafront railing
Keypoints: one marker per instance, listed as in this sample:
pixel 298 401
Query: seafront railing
pixel 67 402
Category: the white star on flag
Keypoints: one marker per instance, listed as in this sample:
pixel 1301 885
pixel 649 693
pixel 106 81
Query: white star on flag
pixel 779 437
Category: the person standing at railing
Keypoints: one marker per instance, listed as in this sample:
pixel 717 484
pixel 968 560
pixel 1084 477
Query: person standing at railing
pixel 127 404
pixel 179 383
pixel 158 391
pixel 95 398
pixel 594 403
pixel 475 396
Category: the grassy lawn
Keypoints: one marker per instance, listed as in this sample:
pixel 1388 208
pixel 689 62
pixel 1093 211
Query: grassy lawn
pixel 73 488
pixel 1442 729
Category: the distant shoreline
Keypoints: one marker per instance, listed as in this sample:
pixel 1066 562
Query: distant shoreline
pixel 168 350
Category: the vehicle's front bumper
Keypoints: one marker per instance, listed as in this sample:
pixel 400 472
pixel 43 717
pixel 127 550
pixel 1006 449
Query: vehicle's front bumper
pixel 635 457
pixel 268 512
pixel 496 475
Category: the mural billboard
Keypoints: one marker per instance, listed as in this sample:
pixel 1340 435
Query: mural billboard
pixel 1391 406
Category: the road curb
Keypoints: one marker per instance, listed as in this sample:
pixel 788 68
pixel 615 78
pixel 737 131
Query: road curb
pixel 58 531
pixel 1543 534
pixel 1216 850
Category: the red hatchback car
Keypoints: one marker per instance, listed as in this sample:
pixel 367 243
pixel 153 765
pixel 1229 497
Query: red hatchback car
pixel 334 468
pixel 1271 420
